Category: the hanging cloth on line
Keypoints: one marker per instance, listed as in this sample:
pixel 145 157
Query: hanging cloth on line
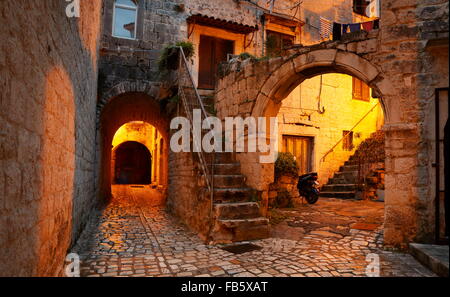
pixel 337 31
pixel 367 26
pixel 355 27
pixel 325 28
pixel 345 28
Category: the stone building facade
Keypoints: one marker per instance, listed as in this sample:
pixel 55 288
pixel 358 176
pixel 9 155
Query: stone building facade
pixel 399 64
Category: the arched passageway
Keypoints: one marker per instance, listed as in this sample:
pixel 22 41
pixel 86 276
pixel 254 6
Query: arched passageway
pixel 132 164
pixel 126 117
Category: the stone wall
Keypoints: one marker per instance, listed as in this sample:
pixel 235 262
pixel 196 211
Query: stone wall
pixel 188 198
pixel 47 115
pixel 399 65
pixel 409 28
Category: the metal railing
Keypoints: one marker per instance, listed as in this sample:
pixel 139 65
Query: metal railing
pixel 347 134
pixel 191 101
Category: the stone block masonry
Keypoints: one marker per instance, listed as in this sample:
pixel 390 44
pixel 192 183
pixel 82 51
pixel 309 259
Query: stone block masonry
pixel 402 63
pixel 48 80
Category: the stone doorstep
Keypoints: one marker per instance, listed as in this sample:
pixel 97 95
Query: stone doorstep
pixel 434 257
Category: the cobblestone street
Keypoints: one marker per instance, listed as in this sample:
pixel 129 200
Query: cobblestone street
pixel 134 236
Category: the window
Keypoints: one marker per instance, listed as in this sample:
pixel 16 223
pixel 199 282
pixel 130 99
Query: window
pixel 360 6
pixel 276 42
pixel 125 19
pixel 347 141
pixel 361 90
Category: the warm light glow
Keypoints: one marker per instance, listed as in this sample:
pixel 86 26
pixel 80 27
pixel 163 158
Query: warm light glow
pixel 146 134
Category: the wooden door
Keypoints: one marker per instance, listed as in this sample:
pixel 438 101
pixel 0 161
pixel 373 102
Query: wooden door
pixel 213 51
pixel 301 148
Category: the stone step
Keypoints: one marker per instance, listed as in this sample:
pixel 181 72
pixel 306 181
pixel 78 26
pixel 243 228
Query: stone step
pixel 434 257
pixel 351 163
pixel 339 187
pixel 232 211
pixel 227 195
pixel 206 92
pixel 346 168
pixel 246 229
pixel 228 181
pixel 224 158
pixel 349 176
pixel 231 168
pixel 207 100
pixel 340 195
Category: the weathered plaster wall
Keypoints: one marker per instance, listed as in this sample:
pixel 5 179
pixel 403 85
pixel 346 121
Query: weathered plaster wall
pixel 47 114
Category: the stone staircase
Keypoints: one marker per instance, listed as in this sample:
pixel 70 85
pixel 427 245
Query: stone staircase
pixel 207 97
pixel 344 184
pixel 236 216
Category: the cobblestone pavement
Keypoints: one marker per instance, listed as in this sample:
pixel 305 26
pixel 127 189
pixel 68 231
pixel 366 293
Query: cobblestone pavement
pixel 132 237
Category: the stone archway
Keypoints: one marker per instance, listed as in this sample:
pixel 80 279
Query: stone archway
pixel 257 89
pixel 119 110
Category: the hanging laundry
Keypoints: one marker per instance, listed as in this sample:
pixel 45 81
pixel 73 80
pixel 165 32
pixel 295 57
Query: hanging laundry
pixel 337 31
pixel 376 24
pixel 345 28
pixel 355 27
pixel 325 28
pixel 367 26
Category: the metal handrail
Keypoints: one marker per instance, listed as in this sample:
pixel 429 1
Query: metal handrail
pixel 189 103
pixel 348 133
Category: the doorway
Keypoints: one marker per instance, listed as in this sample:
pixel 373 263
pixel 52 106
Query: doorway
pixel 132 164
pixel 301 148
pixel 213 51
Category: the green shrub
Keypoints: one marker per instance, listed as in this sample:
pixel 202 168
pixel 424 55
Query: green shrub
pixel 245 56
pixel 169 56
pixel 286 165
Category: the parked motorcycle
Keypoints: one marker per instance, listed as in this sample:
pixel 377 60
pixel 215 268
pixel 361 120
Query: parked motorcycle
pixel 308 187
